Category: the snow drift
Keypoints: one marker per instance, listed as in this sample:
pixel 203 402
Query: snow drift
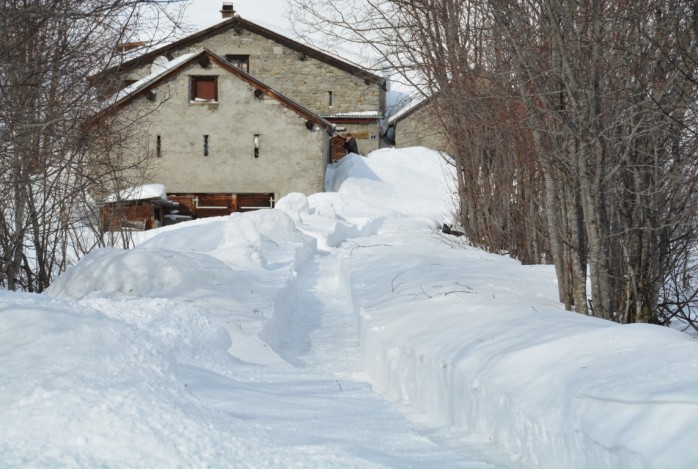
pixel 258 340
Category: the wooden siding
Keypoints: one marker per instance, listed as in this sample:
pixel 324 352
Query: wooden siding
pixel 146 215
pixel 137 216
pixel 215 205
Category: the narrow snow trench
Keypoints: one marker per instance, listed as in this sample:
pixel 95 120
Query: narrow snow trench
pixel 323 338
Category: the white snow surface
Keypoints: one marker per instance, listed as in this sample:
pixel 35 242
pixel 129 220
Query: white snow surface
pixel 340 329
pixel 142 192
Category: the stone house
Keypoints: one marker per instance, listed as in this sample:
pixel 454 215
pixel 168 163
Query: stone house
pixel 348 96
pixel 417 125
pixel 221 140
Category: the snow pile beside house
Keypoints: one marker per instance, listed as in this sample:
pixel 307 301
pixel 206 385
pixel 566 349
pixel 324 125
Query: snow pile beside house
pixel 480 342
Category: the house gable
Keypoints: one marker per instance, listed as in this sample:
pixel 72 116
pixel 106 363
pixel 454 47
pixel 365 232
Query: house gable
pixel 418 103
pixel 204 57
pixel 249 139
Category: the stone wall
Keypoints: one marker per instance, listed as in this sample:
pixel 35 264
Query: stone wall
pixel 291 157
pixel 305 80
pixel 420 128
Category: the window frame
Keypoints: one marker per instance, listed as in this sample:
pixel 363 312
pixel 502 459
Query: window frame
pixel 195 91
pixel 234 59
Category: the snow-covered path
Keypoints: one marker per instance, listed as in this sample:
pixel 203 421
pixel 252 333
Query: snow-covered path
pixel 145 382
pixel 334 337
pixel 337 330
pixel 320 336
pixel 230 342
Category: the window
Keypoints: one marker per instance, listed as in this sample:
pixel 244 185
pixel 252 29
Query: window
pixel 240 61
pixel 204 89
pixel 158 147
pixel 205 145
pixel 329 98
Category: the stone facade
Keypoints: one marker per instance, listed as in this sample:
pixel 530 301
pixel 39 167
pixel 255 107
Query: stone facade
pixel 302 78
pixel 305 80
pixel 291 157
pixel 419 127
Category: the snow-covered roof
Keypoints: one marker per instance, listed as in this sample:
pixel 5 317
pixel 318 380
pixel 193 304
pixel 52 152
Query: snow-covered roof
pixel 156 73
pixel 273 15
pixel 143 192
pixel 237 21
pixel 416 101
pixel 374 114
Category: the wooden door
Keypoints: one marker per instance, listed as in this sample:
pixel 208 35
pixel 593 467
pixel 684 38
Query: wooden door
pixel 338 150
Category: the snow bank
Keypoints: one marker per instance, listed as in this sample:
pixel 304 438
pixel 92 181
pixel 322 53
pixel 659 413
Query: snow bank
pixel 480 342
pixel 163 273
pixel 195 348
pixel 183 261
pixel 324 224
pixel 412 182
pixel 269 237
pixel 81 389
pixel 562 390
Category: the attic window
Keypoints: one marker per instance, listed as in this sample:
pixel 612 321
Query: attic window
pixel 240 61
pixel 204 89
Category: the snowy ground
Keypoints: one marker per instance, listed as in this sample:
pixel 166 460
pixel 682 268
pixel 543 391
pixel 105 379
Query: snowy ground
pixel 338 330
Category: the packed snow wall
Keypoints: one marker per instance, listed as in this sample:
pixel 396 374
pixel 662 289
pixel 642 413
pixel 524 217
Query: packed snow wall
pixel 556 388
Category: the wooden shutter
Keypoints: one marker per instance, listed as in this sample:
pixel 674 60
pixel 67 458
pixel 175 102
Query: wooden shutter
pixel 205 88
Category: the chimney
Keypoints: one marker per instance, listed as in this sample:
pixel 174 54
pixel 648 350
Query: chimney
pixel 228 11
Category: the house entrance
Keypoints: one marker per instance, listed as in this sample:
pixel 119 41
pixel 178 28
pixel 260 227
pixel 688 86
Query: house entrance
pixel 338 150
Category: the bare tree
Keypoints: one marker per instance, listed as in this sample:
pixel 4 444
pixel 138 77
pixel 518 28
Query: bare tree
pixel 580 115
pixel 50 153
pixel 601 79
pixel 442 48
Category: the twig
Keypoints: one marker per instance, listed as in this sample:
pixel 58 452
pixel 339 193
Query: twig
pixel 425 293
pixel 457 291
pixel 369 246
pixel 392 282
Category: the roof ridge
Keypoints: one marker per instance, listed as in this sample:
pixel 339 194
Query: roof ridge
pixel 312 51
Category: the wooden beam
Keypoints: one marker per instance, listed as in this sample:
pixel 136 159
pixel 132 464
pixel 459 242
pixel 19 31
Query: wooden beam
pixel 204 61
